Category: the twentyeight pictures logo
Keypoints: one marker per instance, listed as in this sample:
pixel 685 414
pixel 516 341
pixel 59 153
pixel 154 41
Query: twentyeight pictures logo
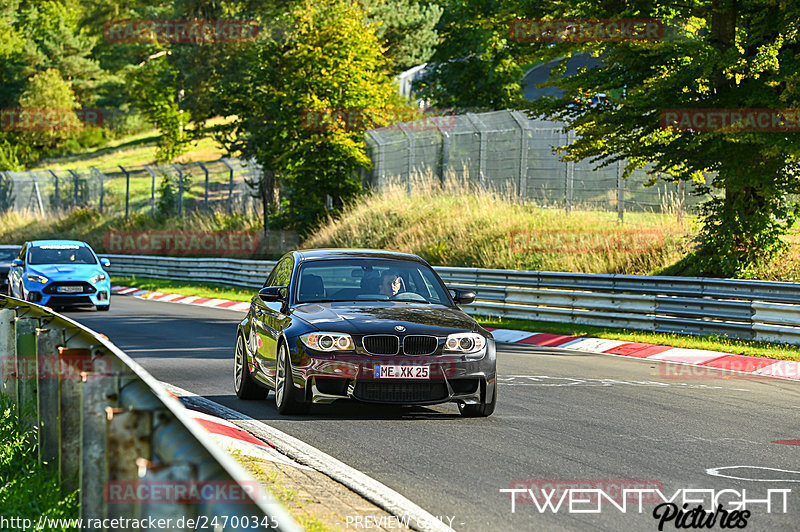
pixel 180 31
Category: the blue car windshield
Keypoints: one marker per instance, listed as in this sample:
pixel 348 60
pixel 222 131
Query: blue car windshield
pixel 367 279
pixel 7 255
pixel 61 254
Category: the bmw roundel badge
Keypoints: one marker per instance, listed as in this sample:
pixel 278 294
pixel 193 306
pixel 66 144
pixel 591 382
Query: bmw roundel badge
pixel 399 328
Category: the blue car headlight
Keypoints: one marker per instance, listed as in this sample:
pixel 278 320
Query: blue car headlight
pixel 97 278
pixel 38 278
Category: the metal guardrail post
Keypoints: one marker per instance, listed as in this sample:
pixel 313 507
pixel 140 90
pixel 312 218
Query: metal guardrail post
pixel 69 450
pixel 26 378
pixel 47 372
pixel 8 353
pixel 97 392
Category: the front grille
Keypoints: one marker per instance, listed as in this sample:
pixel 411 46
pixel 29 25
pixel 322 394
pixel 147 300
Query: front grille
pixel 420 345
pixel 400 392
pixel 85 287
pixel 69 300
pixel 381 344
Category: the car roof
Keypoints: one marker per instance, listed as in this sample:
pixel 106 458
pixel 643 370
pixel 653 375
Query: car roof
pixel 58 242
pixel 342 253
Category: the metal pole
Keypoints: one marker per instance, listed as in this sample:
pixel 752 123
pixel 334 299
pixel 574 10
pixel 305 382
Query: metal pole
pixel 205 196
pixel 230 185
pixel 152 190
pixel 74 188
pixel 524 136
pixel 180 189
pixel 620 193
pixel 570 176
pixel 58 198
pixel 127 189
pixel 681 199
pixel 101 176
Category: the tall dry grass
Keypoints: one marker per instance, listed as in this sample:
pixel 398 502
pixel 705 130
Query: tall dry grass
pixel 456 224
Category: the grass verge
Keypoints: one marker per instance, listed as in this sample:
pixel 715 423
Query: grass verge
pixel 29 490
pixel 208 290
pixel 711 343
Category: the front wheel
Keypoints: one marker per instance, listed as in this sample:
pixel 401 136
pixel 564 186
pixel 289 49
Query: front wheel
pixel 482 409
pixel 286 395
pixel 243 382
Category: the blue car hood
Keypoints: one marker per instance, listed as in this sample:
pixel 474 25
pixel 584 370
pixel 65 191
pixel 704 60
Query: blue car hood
pixel 80 272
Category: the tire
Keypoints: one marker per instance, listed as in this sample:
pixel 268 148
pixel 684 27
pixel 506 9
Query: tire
pixel 286 395
pixel 482 409
pixel 103 308
pixel 243 383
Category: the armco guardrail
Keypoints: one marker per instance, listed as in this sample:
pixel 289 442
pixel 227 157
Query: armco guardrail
pixel 756 310
pixel 112 430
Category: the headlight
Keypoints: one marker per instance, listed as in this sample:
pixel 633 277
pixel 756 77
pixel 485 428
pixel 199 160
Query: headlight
pixel 97 278
pixel 328 341
pixel 38 278
pixel 464 343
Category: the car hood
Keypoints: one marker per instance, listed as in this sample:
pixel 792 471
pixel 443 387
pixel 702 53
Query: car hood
pixel 66 271
pixel 381 317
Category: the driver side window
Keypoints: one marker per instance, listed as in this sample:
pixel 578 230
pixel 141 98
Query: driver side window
pixel 282 273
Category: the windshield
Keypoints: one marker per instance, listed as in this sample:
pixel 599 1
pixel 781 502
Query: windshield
pixel 369 280
pixel 7 255
pixel 61 254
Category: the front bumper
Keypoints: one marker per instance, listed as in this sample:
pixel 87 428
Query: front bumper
pixel 97 294
pixel 452 378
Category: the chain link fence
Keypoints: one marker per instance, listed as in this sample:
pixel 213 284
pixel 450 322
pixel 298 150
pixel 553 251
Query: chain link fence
pixel 509 152
pixel 166 189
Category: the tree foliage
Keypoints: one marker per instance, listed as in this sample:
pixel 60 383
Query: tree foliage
pixel 718 54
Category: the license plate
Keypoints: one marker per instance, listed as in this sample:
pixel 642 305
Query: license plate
pixel 69 289
pixel 402 372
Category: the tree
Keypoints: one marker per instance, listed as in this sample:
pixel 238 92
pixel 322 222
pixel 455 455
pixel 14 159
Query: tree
pixel 328 61
pixel 406 29
pixel 475 66
pixel 47 104
pixel 731 54
pixel 154 90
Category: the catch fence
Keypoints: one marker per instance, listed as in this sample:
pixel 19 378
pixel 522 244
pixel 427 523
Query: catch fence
pixel 164 189
pixel 509 152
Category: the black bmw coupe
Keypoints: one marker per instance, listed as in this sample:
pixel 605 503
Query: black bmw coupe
pixel 374 326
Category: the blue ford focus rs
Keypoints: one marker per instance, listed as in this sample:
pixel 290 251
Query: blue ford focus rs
pixel 60 273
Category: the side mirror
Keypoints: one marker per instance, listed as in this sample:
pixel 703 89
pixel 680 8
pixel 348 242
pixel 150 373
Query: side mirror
pixel 464 297
pixel 272 294
pixel 16 262
pixel 105 262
